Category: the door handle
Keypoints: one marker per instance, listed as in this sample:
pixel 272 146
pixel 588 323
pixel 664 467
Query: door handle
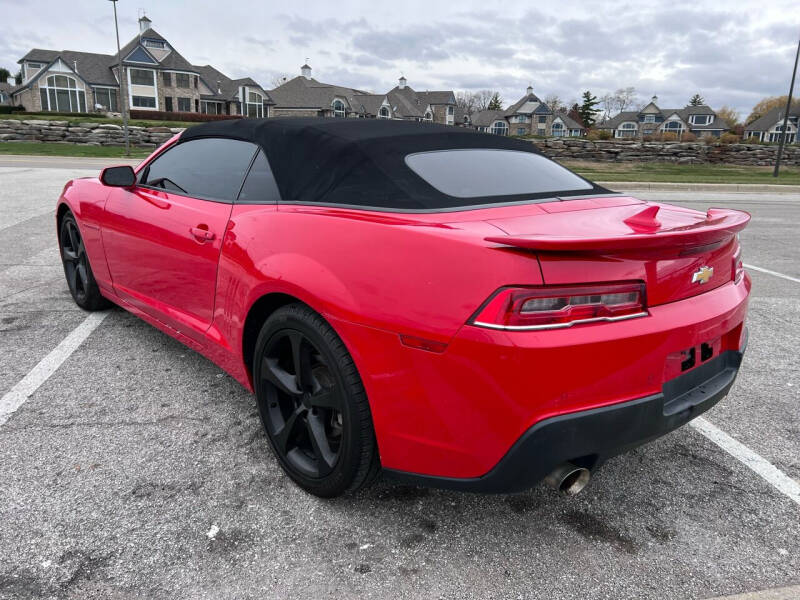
pixel 202 234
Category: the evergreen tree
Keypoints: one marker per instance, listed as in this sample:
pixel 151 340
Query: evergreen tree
pixel 496 103
pixel 575 114
pixel 4 75
pixel 18 77
pixel 697 100
pixel 588 110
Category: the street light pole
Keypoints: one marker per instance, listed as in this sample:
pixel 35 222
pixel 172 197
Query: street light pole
pixel 122 91
pixel 786 116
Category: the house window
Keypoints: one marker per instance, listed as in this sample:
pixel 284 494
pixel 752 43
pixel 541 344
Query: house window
pixel 167 78
pixel 626 130
pixel 338 108
pixel 574 133
pixel 255 105
pixel 450 110
pixel 700 119
pixel 428 115
pixel 500 128
pixel 383 113
pixel 649 119
pixel 168 104
pixel 142 77
pixel 62 94
pixel 159 44
pixel 182 80
pixel 542 118
pixel 211 108
pixel 675 127
pixel 106 98
pixel 143 101
pixel 184 105
pixel 558 130
pixel 521 131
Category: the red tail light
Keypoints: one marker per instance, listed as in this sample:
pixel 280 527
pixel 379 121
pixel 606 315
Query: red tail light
pixel 738 265
pixel 523 308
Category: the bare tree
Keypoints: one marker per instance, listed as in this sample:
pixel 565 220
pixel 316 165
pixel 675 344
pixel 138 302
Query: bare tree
pixel 609 104
pixel 467 101
pixel 279 80
pixel 555 103
pixel 483 98
pixel 625 98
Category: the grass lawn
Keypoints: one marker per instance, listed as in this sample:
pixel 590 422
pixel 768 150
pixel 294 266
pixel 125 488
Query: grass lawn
pixel 52 149
pixel 672 173
pixel 134 122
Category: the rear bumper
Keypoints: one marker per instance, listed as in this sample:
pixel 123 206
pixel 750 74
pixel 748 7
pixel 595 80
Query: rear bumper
pixel 590 437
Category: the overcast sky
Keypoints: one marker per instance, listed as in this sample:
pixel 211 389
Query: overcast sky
pixel 731 52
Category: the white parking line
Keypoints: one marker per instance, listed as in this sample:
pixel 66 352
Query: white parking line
pixel 17 395
pixel 775 273
pixel 760 465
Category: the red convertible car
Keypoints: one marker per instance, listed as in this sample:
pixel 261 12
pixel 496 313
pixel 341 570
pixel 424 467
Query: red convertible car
pixel 445 305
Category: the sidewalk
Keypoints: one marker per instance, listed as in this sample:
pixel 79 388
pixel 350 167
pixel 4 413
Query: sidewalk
pixel 624 186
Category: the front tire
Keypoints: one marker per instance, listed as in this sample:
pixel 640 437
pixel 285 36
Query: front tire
pixel 312 404
pixel 77 270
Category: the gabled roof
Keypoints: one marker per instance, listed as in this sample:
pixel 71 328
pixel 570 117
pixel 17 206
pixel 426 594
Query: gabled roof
pixel 615 121
pixel 485 118
pixel 569 122
pixel 526 105
pixel 437 97
pixel 405 102
pixel 173 60
pixel 367 104
pixel 228 88
pixel 772 118
pixel 92 68
pixel 300 92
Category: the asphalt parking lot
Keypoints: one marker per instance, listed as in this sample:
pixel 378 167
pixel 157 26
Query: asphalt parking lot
pixel 138 469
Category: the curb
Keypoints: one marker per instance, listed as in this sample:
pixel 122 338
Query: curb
pixel 784 593
pixel 622 186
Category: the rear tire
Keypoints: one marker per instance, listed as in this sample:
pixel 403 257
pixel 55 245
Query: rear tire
pixel 77 270
pixel 313 405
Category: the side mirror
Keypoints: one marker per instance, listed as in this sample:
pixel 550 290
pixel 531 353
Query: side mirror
pixel 118 176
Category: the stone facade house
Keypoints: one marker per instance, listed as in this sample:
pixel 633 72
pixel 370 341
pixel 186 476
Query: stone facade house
pixel 410 105
pixel 652 120
pixel 156 77
pixel 527 116
pixel 304 96
pixel 770 127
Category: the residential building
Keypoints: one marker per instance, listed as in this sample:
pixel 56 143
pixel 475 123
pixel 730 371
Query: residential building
pixel 157 77
pixel 436 106
pixel 5 92
pixel 528 116
pixel 304 96
pixel 769 127
pixel 652 120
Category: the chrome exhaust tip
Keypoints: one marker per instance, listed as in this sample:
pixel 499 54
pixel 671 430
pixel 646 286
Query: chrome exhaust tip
pixel 568 479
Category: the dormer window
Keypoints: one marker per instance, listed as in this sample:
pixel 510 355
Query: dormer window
pixel 383 113
pixel 158 44
pixel 700 119
pixel 649 118
pixel 428 116
pixel 338 108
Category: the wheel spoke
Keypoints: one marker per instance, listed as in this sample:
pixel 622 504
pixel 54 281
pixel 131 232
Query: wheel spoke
pixel 283 435
pixel 326 458
pixel 81 270
pixel 73 238
pixel 301 359
pixel 72 278
pixel 69 253
pixel 324 398
pixel 284 381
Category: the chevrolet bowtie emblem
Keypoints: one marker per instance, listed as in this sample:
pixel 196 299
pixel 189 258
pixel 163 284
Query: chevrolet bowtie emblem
pixel 703 274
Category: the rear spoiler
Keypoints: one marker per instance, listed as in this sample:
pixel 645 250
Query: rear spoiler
pixel 719 225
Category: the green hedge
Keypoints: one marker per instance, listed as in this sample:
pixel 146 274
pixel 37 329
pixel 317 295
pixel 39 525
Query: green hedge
pixel 160 115
pixel 7 110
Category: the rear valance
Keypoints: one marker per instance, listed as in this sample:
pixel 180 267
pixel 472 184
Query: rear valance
pixel 719 225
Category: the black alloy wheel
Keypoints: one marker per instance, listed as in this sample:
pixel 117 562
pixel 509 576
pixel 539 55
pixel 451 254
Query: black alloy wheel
pixel 78 271
pixel 312 403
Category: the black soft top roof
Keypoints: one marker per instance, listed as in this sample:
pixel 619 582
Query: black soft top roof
pixel 360 162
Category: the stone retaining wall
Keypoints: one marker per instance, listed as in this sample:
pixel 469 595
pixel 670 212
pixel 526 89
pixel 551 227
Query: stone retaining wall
pixel 92 134
pixel 109 134
pixel 675 152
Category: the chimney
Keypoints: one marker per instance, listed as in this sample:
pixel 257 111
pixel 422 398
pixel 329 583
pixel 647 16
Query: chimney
pixel 144 23
pixel 305 71
pixel 529 90
pixel 219 86
pixel 654 99
pixel 402 80
pixel 75 65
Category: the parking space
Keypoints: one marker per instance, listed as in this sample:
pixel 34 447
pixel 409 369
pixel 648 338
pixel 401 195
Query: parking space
pixel 140 470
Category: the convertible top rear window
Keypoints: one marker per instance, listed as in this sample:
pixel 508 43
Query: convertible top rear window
pixel 362 163
pixel 478 173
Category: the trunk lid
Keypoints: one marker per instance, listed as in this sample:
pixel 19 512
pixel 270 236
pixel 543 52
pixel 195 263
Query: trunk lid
pixel 677 252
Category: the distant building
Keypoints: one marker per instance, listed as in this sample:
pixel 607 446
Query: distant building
pixel 408 104
pixel 527 116
pixel 304 96
pixel 652 120
pixel 157 78
pixel 769 127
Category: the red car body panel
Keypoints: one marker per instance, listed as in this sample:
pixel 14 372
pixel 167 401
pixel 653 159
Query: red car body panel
pixel 377 276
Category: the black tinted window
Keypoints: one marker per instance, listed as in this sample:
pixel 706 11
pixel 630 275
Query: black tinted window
pixel 211 168
pixel 474 173
pixel 259 187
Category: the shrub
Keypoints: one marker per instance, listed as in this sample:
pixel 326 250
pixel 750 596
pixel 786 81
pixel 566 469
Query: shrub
pixel 669 137
pixel 648 138
pixel 709 139
pixel 729 138
pixel 159 115
pixel 752 140
pixel 688 137
pixel 5 110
